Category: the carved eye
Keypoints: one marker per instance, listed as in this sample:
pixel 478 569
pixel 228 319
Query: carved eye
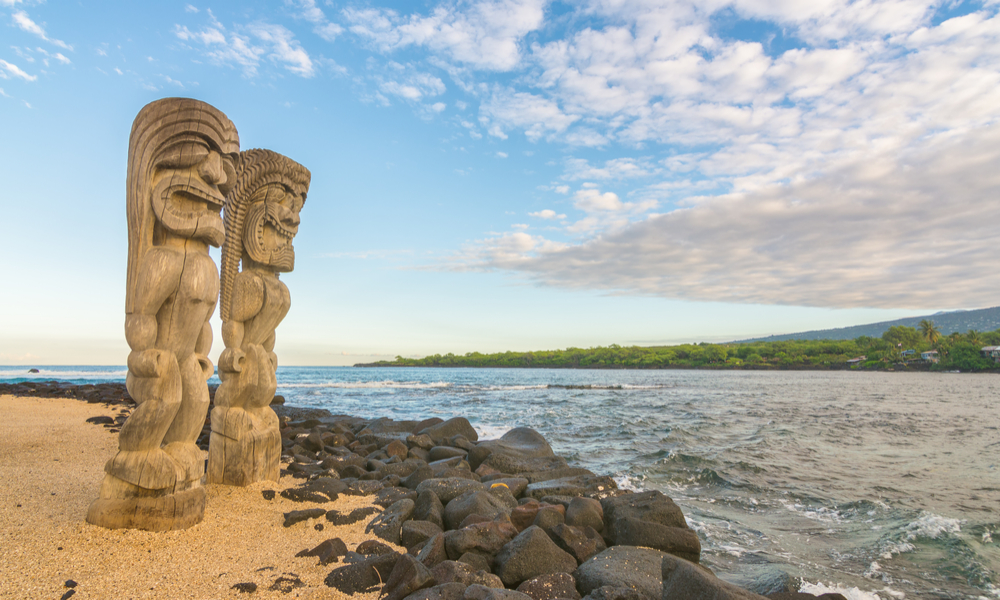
pixel 182 154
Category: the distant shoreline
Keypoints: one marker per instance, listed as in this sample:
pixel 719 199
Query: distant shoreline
pixel 895 369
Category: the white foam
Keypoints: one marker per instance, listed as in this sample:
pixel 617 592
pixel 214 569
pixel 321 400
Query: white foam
pixel 491 432
pixel 851 593
pixel 932 526
pixel 408 385
pixel 822 514
pixel 897 548
pixel 627 482
pixel 504 388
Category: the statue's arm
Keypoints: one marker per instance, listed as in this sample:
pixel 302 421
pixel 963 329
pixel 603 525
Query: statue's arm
pixel 161 272
pixel 247 301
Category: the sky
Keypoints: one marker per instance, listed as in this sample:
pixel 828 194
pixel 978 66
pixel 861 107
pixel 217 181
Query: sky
pixel 522 174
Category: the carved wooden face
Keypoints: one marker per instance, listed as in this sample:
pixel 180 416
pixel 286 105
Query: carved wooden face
pixel 272 221
pixel 191 179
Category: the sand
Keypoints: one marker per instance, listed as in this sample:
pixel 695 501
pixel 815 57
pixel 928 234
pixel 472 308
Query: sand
pixel 51 463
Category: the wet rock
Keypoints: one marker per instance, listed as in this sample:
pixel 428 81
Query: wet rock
pixel 415 532
pixel 652 506
pixel 441 432
pixel 450 488
pixel 328 551
pixel 585 512
pixel 550 586
pixel 428 507
pixel 637 569
pixel 446 591
pixel 363 576
pixel 474 503
pixel 388 525
pixel 530 554
pixel 678 541
pixel 433 551
pixel 683 580
pixel 358 514
pixel 580 542
pixel 297 516
pixel 407 576
pixel 483 538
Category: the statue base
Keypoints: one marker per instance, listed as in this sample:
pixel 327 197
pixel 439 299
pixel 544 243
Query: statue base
pixel 251 454
pixel 166 512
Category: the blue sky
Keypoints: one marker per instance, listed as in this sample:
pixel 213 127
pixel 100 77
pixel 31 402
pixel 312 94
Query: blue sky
pixel 524 174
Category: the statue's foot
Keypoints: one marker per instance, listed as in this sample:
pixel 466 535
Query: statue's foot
pixel 148 469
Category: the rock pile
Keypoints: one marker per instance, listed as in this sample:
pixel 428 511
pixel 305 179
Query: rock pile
pixel 502 519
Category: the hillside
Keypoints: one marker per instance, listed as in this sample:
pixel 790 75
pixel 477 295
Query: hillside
pixel 983 319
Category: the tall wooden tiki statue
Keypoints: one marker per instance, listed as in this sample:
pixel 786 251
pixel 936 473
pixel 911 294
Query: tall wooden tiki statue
pixel 179 171
pixel 262 217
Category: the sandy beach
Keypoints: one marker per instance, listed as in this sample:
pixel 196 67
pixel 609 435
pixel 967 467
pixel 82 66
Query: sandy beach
pixel 51 462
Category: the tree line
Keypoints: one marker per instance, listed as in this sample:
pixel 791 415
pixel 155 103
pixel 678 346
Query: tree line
pixel 957 351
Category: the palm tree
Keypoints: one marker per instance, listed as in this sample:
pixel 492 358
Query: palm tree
pixel 930 331
pixel 973 337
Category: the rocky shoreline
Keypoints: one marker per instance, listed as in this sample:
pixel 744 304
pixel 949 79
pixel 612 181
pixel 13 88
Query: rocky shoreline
pixel 503 519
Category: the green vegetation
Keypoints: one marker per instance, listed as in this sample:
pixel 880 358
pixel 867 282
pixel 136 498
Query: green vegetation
pixel 957 351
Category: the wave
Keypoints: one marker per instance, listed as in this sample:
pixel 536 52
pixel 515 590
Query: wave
pixel 491 432
pixel 851 593
pixel 60 374
pixel 932 526
pixel 592 386
pixel 408 385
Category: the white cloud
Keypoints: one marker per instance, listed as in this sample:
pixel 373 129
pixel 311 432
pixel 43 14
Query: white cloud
pixel 15 71
pixel 24 22
pixel 591 200
pixel 519 226
pixel 485 34
pixel 191 9
pixel 501 155
pixel 438 107
pixel 307 9
pixel 547 214
pixel 616 168
pixel 249 44
pixel 405 82
pixel 535 114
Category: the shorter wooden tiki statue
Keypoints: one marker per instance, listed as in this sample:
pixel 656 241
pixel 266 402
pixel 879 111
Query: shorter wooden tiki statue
pixel 180 167
pixel 262 217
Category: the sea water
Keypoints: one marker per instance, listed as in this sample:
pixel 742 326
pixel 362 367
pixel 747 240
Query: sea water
pixel 877 485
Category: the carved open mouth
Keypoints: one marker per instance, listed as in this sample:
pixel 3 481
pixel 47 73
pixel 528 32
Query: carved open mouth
pixel 190 207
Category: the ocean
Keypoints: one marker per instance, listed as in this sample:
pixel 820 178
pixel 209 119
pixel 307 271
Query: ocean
pixel 877 485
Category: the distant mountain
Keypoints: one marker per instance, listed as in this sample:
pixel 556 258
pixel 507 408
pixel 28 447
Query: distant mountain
pixel 983 319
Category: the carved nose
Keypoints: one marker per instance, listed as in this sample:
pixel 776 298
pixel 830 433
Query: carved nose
pixel 211 169
pixel 292 220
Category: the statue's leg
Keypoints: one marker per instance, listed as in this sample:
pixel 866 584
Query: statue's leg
pixel 182 436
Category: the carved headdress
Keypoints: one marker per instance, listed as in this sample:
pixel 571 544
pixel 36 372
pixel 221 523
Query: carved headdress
pixel 161 128
pixel 256 171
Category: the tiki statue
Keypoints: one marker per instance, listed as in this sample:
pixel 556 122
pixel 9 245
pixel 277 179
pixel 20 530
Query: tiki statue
pixel 179 170
pixel 262 217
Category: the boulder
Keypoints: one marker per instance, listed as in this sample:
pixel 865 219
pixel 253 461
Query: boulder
pixel 608 592
pixel 679 541
pixel 433 551
pixel 358 514
pixel 580 542
pixel 550 586
pixel 449 488
pixel 516 485
pixel 390 495
pixel 481 592
pixel 585 512
pixel 364 576
pixel 683 580
pixel 482 538
pixel 548 517
pixel 423 441
pixel 407 576
pixel 637 569
pixel 328 551
pixel 579 485
pixel 415 478
pixel 530 554
pixel 804 596
pixel 444 452
pixel 429 508
pixel 447 591
pixel 388 525
pixel 373 548
pixel 477 502
pixel 450 570
pixel 556 472
pixel 441 432
pixel 397 448
pixel 415 532
pixel 479 562
pixel 652 506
